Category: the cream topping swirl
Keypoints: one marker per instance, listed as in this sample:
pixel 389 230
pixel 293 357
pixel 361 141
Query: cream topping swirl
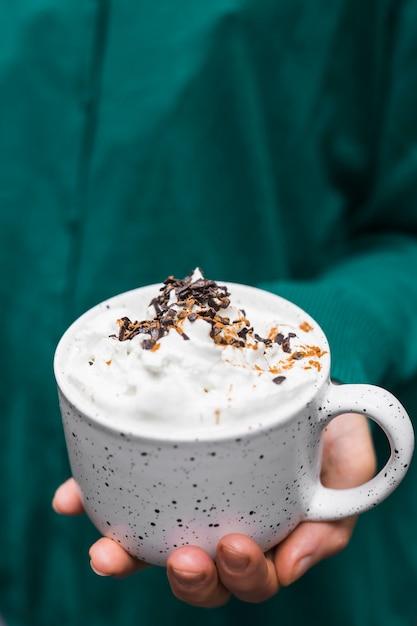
pixel 195 361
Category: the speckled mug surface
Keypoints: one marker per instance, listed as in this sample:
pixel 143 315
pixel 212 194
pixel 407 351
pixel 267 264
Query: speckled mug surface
pixel 155 491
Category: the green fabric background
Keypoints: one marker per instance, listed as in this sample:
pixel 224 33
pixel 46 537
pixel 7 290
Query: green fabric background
pixel 271 142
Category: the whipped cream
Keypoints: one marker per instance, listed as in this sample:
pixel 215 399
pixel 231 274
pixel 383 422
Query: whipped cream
pixel 197 358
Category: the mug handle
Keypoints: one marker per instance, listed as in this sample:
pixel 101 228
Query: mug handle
pixel 386 411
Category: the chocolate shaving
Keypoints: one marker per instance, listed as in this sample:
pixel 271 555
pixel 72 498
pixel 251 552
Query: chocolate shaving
pixel 242 333
pixel 284 342
pixel 193 300
pixel 199 299
pixel 148 344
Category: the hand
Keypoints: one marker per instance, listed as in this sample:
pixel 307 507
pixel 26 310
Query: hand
pixel 241 568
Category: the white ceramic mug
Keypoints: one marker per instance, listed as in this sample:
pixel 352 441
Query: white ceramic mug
pixel 152 492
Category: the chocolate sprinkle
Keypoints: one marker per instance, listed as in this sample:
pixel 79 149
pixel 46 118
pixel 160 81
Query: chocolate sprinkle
pixel 284 342
pixel 199 299
pixel 278 379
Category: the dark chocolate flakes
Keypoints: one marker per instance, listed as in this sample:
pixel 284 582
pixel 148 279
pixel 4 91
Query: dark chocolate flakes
pixel 200 299
pixel 278 380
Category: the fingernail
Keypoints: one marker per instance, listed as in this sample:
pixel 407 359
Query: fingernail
pixel 96 571
pixel 185 577
pixel 233 560
pixel 301 567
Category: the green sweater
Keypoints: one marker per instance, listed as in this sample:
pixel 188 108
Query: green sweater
pixel 271 142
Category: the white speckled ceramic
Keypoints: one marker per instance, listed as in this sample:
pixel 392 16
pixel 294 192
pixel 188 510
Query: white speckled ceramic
pixel 154 492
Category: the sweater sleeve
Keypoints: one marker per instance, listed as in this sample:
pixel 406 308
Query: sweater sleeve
pixel 366 301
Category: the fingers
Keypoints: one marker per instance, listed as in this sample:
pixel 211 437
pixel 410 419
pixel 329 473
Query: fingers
pixel 349 457
pixel 308 544
pixel 194 579
pixel 348 460
pixel 107 558
pixel 67 499
pixel 242 570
